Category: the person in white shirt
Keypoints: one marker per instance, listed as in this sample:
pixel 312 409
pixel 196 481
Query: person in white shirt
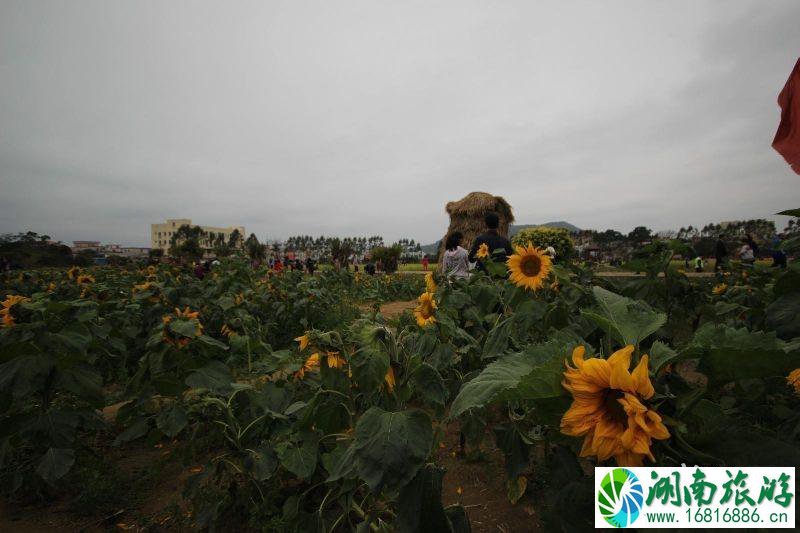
pixel 746 254
pixel 456 258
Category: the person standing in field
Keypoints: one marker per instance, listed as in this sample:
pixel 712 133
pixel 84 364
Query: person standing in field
pixel 425 262
pixel 746 254
pixel 720 253
pixel 456 258
pixel 499 246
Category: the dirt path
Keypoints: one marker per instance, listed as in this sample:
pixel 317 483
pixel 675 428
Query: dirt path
pixel 392 309
pixel 480 486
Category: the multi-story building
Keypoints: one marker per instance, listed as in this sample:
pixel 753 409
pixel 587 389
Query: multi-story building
pixel 133 252
pixel 161 234
pixel 77 246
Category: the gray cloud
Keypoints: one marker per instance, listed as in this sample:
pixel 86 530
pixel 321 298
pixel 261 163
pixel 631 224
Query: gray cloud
pixel 365 117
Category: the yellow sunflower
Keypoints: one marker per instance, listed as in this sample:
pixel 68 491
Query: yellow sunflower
pixel 228 331
pixel 186 314
pixel 335 360
pixel 720 289
pixel 84 279
pixel 793 379
pixel 73 272
pixel 529 267
pixel 483 251
pixel 311 364
pixel 6 311
pixel 303 340
pixel 607 408
pixel 424 312
pixel 389 379
pixel 430 283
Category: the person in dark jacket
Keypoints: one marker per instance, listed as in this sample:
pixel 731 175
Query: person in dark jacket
pixel 720 253
pixel 499 246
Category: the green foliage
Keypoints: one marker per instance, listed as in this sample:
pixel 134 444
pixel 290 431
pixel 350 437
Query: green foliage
pixel 542 237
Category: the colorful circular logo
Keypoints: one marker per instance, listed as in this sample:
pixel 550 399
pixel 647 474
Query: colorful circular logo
pixel 620 497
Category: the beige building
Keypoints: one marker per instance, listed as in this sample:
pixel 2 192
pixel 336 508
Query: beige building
pixel 161 234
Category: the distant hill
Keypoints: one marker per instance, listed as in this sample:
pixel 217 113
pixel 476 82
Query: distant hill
pixel 432 249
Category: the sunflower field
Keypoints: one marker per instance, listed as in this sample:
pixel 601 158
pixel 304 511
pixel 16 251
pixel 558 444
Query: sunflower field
pixel 294 404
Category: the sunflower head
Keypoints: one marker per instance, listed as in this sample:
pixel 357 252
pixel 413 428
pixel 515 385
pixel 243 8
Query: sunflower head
pixel 335 360
pixel 608 407
pixel 84 279
pixel 483 251
pixel 793 379
pixel 529 267
pixel 73 272
pixel 7 309
pixel 303 340
pixel 425 310
pixel 311 364
pixel 720 289
pixel 389 380
pixel 430 283
pixel 179 340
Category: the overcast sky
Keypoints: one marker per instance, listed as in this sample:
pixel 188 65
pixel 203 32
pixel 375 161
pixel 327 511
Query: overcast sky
pixel 366 117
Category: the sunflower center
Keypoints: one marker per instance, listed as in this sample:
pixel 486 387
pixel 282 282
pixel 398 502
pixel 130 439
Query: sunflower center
pixel 612 406
pixel 427 309
pixel 531 265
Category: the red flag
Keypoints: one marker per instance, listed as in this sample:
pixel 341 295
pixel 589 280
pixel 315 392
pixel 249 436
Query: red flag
pixel 787 138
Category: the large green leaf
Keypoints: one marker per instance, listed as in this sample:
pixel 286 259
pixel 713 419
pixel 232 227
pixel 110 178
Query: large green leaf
pixel 299 459
pixel 214 376
pixel 727 354
pixel 55 463
pixel 627 321
pixel 419 506
pixel 21 375
pixel 498 377
pixel 83 381
pixel 371 362
pixel 261 462
pixel 391 447
pixel 171 421
pixel 530 375
pixel 497 339
pixel 783 316
pixel 428 385
pixel 660 355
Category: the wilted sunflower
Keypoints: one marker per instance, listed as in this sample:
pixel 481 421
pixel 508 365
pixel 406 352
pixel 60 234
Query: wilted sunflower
pixel 84 279
pixel 720 289
pixel 430 283
pixel 311 364
pixel 607 407
pixel 389 379
pixel 529 267
pixel 793 379
pixel 186 314
pixel 335 360
pixel 303 340
pixel 483 251
pixel 424 312
pixel 7 309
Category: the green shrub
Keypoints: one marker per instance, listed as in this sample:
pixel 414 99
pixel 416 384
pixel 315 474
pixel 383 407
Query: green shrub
pixel 543 237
